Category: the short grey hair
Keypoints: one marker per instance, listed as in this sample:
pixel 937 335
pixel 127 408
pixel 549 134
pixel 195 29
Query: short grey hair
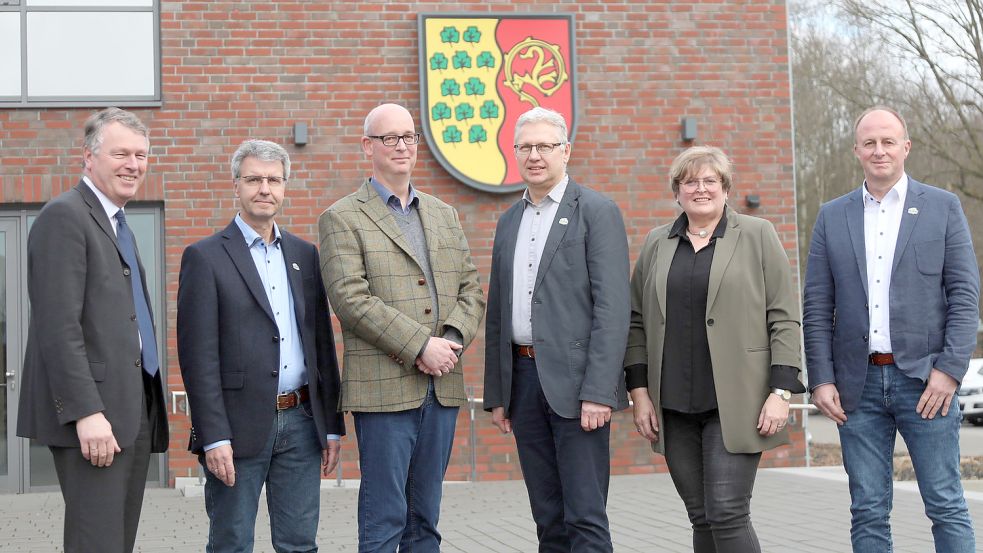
pixel 263 150
pixel 542 115
pixel 96 122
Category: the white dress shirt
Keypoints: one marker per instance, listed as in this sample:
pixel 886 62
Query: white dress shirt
pixel 537 220
pixel 882 221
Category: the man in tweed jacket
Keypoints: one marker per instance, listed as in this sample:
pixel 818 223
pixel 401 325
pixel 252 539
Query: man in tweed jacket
pixel 398 272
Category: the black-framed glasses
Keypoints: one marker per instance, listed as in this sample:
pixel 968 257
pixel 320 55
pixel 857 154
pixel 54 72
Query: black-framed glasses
pixel 390 140
pixel 523 150
pixel 256 180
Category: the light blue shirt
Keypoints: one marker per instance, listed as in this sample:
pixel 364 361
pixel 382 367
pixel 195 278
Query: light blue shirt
pixel 272 269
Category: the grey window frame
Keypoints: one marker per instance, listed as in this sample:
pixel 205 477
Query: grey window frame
pixel 25 101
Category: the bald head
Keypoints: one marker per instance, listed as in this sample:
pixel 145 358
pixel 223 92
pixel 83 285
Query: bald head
pixel 384 112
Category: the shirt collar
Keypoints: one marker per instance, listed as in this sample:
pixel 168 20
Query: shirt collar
pixel 250 234
pixel 387 194
pixel 107 204
pixel 678 228
pixel 556 194
pixel 900 188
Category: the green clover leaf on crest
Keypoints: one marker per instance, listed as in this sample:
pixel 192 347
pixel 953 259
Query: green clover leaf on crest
pixel 449 35
pixel 474 87
pixel 484 59
pixel 450 88
pixel 451 134
pixel 438 61
pixel 472 34
pixel 477 135
pixel 489 110
pixel 463 111
pixel 462 60
pixel 440 111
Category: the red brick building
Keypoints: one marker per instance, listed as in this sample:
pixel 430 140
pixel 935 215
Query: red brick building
pixel 235 70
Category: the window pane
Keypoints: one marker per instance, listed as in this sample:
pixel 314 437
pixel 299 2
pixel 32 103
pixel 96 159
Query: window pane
pixel 61 68
pixel 10 54
pixel 89 3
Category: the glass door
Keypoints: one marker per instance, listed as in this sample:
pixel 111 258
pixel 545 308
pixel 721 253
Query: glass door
pixel 10 351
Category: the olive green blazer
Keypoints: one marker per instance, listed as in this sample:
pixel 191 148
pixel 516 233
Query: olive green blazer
pixel 752 322
pixel 376 288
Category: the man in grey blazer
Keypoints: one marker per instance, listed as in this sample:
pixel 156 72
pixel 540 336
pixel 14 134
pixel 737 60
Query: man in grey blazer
pixel 91 389
pixel 890 319
pixel 556 329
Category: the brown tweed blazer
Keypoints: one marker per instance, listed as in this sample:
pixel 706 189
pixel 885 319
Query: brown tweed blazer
pixel 376 288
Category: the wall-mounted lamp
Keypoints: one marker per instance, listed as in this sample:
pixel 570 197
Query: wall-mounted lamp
pixel 688 125
pixel 753 201
pixel 300 134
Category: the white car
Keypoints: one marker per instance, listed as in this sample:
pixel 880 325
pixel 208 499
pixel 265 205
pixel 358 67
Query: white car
pixel 971 393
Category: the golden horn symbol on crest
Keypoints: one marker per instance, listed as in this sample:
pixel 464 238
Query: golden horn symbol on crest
pixel 547 75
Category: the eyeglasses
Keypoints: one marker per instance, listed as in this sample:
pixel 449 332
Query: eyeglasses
pixel 390 140
pixel 256 180
pixel 709 183
pixel 523 150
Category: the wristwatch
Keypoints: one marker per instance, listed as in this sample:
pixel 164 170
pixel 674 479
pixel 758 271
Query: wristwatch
pixel 784 394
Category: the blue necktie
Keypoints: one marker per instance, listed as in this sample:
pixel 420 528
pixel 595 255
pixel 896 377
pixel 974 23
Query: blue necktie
pixel 127 247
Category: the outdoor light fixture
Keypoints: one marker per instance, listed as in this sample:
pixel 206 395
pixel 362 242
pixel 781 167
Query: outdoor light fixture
pixel 300 134
pixel 753 201
pixel 689 129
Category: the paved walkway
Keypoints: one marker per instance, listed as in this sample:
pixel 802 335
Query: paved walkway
pixel 794 510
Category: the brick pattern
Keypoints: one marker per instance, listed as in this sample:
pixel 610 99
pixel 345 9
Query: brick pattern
pixel 237 70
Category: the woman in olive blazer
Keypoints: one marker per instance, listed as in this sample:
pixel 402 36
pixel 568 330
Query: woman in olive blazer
pixel 713 349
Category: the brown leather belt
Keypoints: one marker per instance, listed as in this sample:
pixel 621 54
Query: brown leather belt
pixel 524 351
pixel 881 358
pixel 292 399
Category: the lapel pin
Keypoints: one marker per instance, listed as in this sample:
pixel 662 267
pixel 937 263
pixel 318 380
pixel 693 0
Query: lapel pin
pixel 913 210
pixel 295 266
pixel 563 221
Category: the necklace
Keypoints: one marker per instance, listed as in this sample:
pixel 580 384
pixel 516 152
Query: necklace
pixel 701 234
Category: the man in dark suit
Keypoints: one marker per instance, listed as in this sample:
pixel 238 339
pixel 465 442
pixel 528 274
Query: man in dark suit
pixel 258 360
pixel 556 329
pixel 891 311
pixel 91 388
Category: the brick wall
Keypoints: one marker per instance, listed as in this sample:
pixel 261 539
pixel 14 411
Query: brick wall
pixel 237 70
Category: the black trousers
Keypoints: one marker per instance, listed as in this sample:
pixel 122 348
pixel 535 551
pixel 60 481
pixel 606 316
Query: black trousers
pixel 566 469
pixel 102 505
pixel 715 484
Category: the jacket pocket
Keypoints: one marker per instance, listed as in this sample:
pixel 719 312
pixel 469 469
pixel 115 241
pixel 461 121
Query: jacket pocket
pixel 577 357
pixel 930 256
pixel 233 381
pixel 98 371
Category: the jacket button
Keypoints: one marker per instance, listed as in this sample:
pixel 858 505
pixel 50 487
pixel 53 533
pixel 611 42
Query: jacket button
pixel 126 271
pixel 421 282
pixel 709 322
pixel 865 338
pixel 276 338
pixel 427 310
pixel 275 373
pixel 133 317
pixel 138 363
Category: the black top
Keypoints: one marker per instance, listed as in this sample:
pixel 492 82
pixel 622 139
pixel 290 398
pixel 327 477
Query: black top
pixel 687 373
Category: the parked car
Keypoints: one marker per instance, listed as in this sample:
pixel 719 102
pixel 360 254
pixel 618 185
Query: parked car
pixel 971 393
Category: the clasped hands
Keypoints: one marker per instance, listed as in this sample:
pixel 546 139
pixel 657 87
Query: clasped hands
pixel 439 356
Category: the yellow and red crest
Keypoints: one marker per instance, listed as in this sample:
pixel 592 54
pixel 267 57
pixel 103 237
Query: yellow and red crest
pixel 478 73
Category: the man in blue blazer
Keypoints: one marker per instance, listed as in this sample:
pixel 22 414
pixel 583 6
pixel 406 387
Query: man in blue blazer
pixel 556 330
pixel 890 320
pixel 258 361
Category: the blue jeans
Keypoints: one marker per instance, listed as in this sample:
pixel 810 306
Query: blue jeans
pixel 566 469
pixel 888 405
pixel 403 457
pixel 290 466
